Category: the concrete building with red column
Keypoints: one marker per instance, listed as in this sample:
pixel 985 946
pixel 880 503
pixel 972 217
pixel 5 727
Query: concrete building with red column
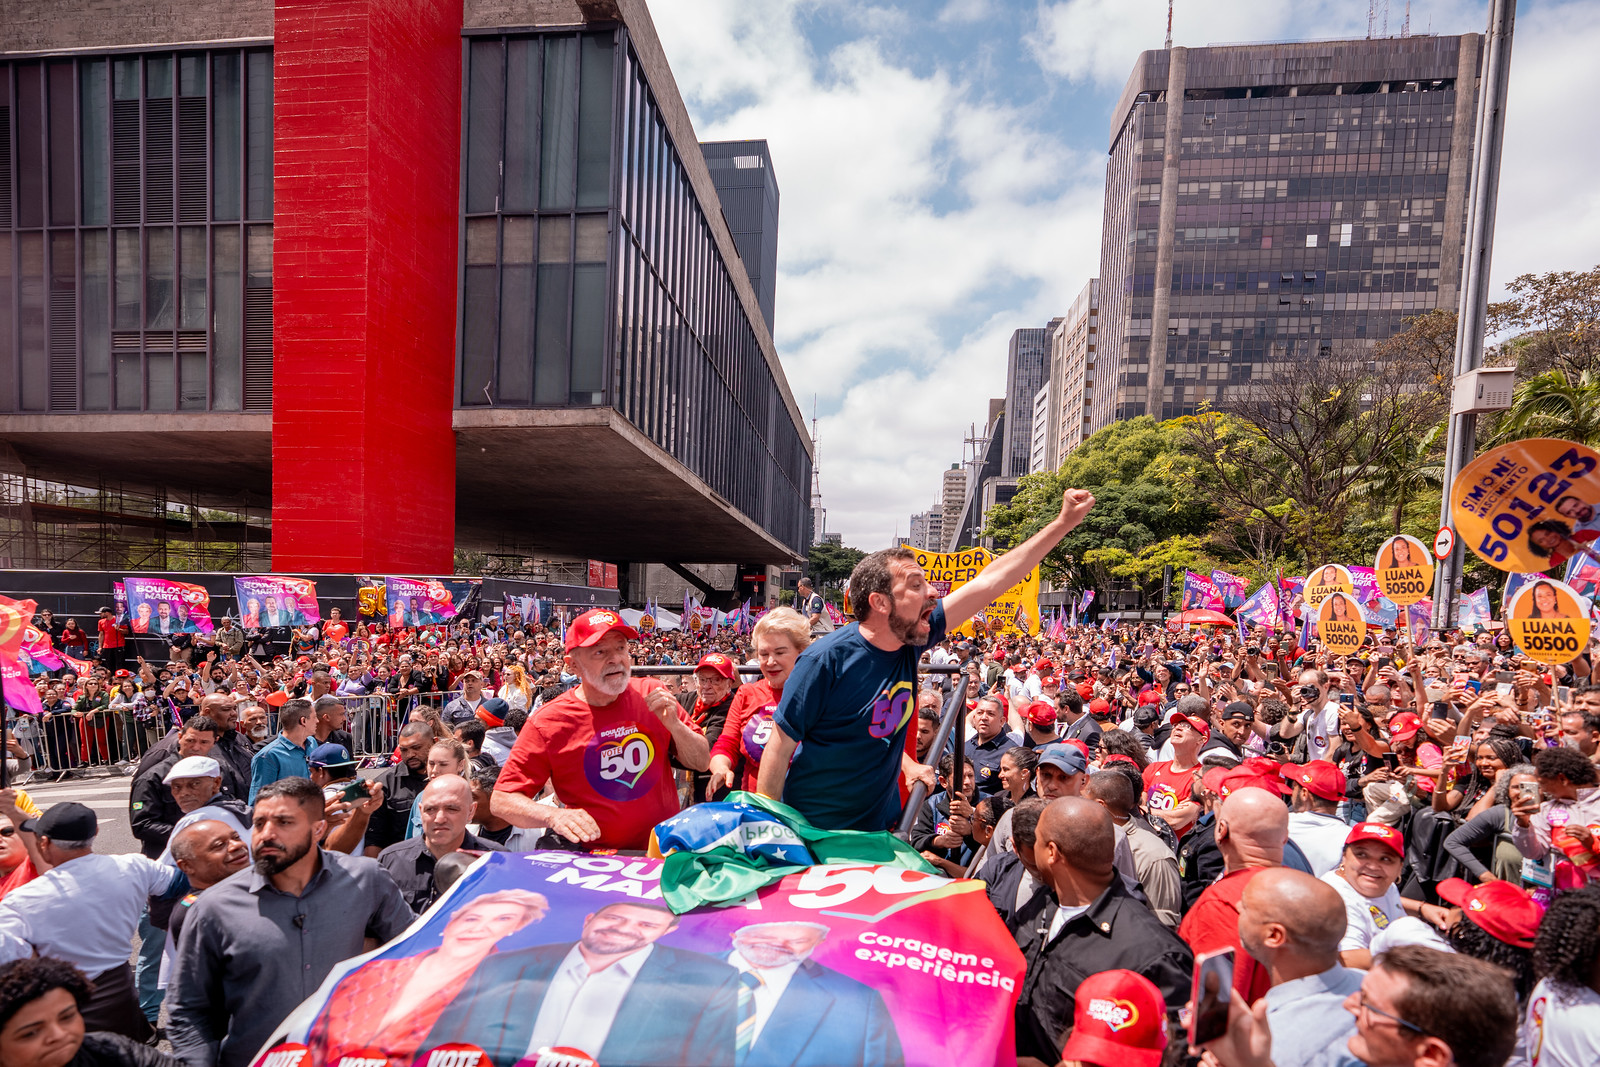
pixel 386 278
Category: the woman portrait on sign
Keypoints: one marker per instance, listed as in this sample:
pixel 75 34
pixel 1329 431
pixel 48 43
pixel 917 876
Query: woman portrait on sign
pixel 1400 554
pixel 1546 602
pixel 1329 576
pixel 1341 609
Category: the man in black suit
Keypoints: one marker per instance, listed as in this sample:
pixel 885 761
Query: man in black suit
pixel 616 994
pixel 798 1013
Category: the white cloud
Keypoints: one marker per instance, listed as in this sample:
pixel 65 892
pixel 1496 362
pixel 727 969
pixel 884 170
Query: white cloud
pixel 921 222
pixel 926 213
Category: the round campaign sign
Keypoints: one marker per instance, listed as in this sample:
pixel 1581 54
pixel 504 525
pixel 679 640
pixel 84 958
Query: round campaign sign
pixel 1405 573
pixel 647 623
pixel 455 1054
pixel 285 1054
pixel 1547 621
pixel 1329 578
pixel 1340 627
pixel 1529 505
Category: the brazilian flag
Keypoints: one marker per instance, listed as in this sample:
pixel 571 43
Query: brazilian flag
pixel 727 850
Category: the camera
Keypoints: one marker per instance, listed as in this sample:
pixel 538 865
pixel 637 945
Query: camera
pixel 1253 650
pixel 1309 692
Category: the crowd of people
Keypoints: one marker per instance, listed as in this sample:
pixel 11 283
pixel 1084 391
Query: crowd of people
pixel 1397 846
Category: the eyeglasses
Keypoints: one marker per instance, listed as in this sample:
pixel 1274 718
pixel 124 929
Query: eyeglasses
pixel 1366 1005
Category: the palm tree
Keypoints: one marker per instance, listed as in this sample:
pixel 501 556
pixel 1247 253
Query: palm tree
pixel 1411 466
pixel 1553 404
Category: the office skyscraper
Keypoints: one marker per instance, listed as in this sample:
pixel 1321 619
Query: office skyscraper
pixel 1027 368
pixel 748 189
pixel 1269 203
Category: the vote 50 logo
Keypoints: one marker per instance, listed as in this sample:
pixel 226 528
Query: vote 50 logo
pixel 890 710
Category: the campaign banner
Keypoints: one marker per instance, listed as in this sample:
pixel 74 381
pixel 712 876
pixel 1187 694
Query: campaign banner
pixel 268 600
pixel 1419 620
pixel 15 622
pixel 1376 609
pixel 119 600
pixel 1015 612
pixel 1200 593
pixel 426 601
pixel 162 606
pixel 1291 597
pixel 1232 587
pixel 1474 613
pixel 1528 505
pixel 40 650
pixel 1261 608
pixel 871 965
pixel 1583 575
pixel 528 610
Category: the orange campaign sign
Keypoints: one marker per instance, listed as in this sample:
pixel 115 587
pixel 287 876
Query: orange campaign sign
pixel 1329 578
pixel 1530 505
pixel 1405 572
pixel 1547 621
pixel 1340 626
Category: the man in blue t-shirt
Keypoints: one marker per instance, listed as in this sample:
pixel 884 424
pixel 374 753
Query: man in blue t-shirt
pixel 846 705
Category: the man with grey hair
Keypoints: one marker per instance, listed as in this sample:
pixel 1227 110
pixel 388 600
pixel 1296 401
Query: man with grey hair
pixel 85 910
pixel 783 992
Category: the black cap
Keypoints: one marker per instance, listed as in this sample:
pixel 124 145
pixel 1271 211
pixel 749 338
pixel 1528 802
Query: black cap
pixel 1145 714
pixel 68 821
pixel 1238 710
pixel 106 611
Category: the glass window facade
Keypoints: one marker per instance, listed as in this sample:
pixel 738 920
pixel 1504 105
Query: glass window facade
pixel 1307 217
pixel 589 274
pixel 122 213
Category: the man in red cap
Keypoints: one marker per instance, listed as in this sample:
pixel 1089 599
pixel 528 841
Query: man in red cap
pixel 606 747
pixel 1366 876
pixel 1168 785
pixel 716 682
pixel 1315 826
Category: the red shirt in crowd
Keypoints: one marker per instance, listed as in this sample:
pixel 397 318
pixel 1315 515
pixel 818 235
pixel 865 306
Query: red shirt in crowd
pixel 1165 789
pixel 110 634
pixel 335 631
pixel 21 874
pixel 1213 923
pixel 615 762
pixel 747 728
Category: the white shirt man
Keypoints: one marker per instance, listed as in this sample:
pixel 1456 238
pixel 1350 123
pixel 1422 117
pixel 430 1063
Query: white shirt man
pixel 580 1005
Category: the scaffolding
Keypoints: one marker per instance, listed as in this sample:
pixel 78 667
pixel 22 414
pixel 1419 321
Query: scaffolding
pixel 109 525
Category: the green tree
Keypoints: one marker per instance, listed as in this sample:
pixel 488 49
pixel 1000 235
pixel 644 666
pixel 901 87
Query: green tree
pixel 1409 468
pixel 1556 403
pixel 1558 316
pixel 829 565
pixel 1127 465
pixel 1185 552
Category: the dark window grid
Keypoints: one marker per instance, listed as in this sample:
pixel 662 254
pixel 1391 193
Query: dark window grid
pixel 65 356
pixel 500 214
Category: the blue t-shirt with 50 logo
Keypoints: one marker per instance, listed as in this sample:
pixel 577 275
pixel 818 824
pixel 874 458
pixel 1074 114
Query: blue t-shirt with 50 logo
pixel 849 704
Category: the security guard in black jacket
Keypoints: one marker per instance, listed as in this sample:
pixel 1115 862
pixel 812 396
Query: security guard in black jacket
pixel 1096 926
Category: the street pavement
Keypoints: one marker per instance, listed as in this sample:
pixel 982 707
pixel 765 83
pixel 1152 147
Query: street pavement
pixel 108 796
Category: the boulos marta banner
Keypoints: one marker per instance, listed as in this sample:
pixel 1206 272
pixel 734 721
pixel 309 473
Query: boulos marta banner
pixel 426 601
pixel 272 601
pixel 1200 592
pixel 870 966
pixel 162 606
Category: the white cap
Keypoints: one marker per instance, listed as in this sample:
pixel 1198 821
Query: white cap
pixel 194 767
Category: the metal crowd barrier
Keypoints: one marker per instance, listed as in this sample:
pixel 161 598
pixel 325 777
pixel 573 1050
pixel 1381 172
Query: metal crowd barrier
pixel 104 741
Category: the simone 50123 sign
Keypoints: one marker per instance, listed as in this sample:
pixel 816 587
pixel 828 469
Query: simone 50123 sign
pixel 1528 505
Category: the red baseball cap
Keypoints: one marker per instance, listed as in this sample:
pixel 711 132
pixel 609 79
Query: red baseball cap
pixel 1317 777
pixel 1199 724
pixel 594 624
pixel 1503 910
pixel 277 698
pixel 1151 696
pixel 1044 666
pixel 1099 706
pixel 1404 726
pixel 1377 831
pixel 1085 689
pixel 715 661
pixel 1041 713
pixel 1119 1017
pixel 1234 779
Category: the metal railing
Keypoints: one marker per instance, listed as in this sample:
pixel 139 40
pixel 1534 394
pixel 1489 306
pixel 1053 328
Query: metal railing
pixel 952 731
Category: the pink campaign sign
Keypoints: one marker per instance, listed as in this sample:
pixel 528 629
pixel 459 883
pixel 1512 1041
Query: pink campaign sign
pixel 837 965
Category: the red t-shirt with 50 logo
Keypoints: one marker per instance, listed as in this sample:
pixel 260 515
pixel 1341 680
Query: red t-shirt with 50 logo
pixel 615 762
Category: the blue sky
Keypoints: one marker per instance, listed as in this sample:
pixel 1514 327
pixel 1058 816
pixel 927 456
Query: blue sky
pixel 941 167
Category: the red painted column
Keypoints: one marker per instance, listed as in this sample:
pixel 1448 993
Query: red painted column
pixel 366 164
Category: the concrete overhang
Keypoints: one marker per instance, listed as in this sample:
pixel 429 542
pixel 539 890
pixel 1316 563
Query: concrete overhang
pixel 211 452
pixel 584 482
